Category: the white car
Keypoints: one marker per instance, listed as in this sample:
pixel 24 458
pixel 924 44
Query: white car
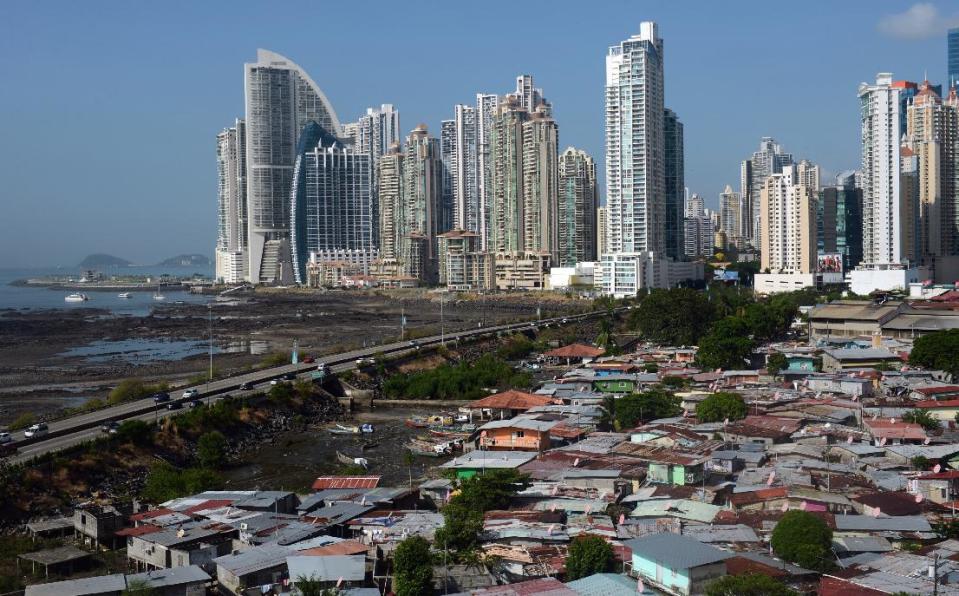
pixel 190 393
pixel 37 430
pixel 5 438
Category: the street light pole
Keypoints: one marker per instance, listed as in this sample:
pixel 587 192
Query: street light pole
pixel 209 307
pixel 442 323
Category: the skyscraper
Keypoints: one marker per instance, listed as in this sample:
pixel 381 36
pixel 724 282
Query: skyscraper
pixel 839 221
pixel 882 221
pixel 602 223
pixel 485 108
pixel 675 184
pixel 787 224
pixel 952 57
pixel 458 141
pixel 932 134
pixel 391 219
pixel 281 99
pixel 231 241
pixel 769 160
pixel 331 200
pixel 540 184
pixel 422 187
pixel 373 135
pixel 528 95
pixel 577 208
pixel 808 174
pixel 505 214
pixel 730 217
pixel 635 144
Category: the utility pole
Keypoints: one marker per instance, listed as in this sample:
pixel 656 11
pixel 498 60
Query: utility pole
pixel 442 323
pixel 209 307
pixel 935 575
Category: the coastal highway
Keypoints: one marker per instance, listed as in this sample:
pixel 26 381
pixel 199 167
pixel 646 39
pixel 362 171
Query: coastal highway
pixel 83 427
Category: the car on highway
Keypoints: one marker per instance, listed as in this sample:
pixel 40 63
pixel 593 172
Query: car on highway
pixel 190 393
pixel 364 361
pixel 5 438
pixel 161 397
pixel 110 428
pixel 37 430
pixel 246 386
pixel 309 360
pixel 195 403
pixel 322 367
pixel 174 405
pixel 289 377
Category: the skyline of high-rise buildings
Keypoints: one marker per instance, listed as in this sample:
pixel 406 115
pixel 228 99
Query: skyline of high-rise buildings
pixel 495 176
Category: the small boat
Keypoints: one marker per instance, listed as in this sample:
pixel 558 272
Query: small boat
pixel 158 296
pixel 339 429
pixel 417 422
pixel 125 295
pixel 462 418
pixel 367 429
pixel 428 449
pixel 350 460
pixel 77 297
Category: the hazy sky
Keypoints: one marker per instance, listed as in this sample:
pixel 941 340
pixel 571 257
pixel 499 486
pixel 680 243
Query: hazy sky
pixel 110 109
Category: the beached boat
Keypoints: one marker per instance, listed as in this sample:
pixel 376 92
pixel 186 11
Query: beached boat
pixel 125 295
pixel 428 449
pixel 350 460
pixel 339 429
pixel 76 297
pixel 417 422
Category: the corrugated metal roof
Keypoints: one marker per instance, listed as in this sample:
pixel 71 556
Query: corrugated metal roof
pixel 331 568
pixel 675 551
pixel 603 584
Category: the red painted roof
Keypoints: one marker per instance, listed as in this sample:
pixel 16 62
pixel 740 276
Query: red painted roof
pixel 138 531
pixel 576 351
pixel 883 428
pixel 938 390
pixel 346 547
pixel 947 475
pixel 325 482
pixel 942 403
pixel 758 496
pixel 546 586
pixel 209 504
pixel 150 514
pixel 511 400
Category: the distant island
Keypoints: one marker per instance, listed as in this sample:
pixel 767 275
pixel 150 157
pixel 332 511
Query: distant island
pixel 100 261
pixel 186 261
pixel 104 261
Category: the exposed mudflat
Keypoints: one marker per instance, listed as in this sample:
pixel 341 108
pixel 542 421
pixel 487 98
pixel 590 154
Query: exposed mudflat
pixel 55 359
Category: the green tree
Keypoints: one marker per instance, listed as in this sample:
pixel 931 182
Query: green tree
pixel 720 406
pixel 588 555
pixel 23 421
pixel 492 490
pixel 919 462
pixel 672 317
pixel 461 528
pixel 630 410
pixel 776 363
pixel 727 345
pixel 413 567
pixel 938 350
pixel 313 586
pixel 138 432
pixel 923 418
pixel 804 539
pixel 211 449
pixel 751 584
pixel 281 392
pixel 164 482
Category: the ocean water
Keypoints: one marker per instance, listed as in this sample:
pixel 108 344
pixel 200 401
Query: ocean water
pixel 141 304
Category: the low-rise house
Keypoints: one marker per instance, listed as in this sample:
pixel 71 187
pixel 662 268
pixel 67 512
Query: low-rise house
pixel 331 571
pixel 580 352
pixel 192 544
pixel 836 360
pixel 182 581
pixel 677 563
pixel 522 433
pixel 935 393
pixel 506 404
pixel 471 463
pixel 946 410
pixel 97 525
pixel 842 384
pixel 258 566
pixel 894 432
pixel 666 465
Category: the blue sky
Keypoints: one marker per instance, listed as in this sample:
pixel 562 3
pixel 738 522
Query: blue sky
pixel 110 109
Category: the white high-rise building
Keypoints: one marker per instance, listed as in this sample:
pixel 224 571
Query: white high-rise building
pixel 373 135
pixel 281 99
pixel 882 236
pixel 231 241
pixel 458 146
pixel 787 224
pixel 528 95
pixel 730 217
pixel 485 108
pixel 635 195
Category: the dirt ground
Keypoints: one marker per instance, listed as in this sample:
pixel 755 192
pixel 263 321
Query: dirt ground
pixel 35 376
